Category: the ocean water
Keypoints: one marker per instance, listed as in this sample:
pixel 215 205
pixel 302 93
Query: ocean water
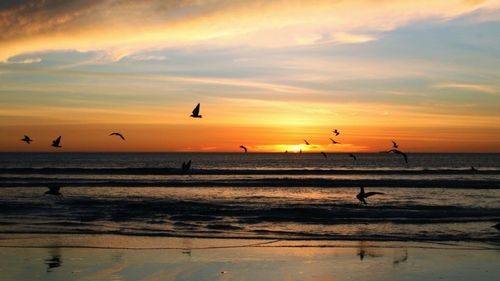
pixel 435 197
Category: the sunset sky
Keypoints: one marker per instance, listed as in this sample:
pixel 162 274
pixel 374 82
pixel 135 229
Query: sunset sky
pixel 268 74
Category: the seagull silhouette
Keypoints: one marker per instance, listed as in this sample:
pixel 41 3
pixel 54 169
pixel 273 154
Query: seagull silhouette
pixel 196 112
pixel 394 144
pixel 336 132
pixel 186 166
pixel 362 195
pixel 324 154
pixel 57 142
pixel 306 142
pixel 353 156
pixel 244 148
pixel 334 141
pixel 118 134
pixel 53 190
pixel 26 139
pixel 400 153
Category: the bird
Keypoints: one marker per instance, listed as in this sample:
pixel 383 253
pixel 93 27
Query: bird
pixel 56 142
pixel 362 195
pixel 244 148
pixel 401 259
pixel 336 132
pixel 306 142
pixel 186 166
pixel 196 112
pixel 334 141
pixel 53 190
pixel 353 156
pixel 394 144
pixel 118 134
pixel 26 139
pixel 400 153
pixel 324 154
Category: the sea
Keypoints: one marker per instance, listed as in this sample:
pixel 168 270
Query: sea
pixel 290 196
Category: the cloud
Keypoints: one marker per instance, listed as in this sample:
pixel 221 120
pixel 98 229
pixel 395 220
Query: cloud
pixel 124 27
pixel 468 87
pixel 24 61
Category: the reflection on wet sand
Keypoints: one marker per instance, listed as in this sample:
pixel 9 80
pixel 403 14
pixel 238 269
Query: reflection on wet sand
pixel 366 251
pixel 55 259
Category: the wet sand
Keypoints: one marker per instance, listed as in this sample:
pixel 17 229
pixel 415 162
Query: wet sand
pixel 111 257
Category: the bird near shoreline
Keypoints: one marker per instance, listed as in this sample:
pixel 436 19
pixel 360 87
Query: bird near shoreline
pixel 400 153
pixel 324 154
pixel 306 142
pixel 57 142
pixel 53 190
pixel 336 132
pixel 196 112
pixel 394 144
pixel 117 134
pixel 186 166
pixel 334 141
pixel 353 156
pixel 362 195
pixel 27 139
pixel 244 148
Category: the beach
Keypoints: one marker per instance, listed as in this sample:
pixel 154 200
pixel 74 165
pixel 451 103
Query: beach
pixel 108 257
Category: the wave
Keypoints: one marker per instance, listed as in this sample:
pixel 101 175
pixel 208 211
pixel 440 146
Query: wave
pixel 175 171
pixel 253 182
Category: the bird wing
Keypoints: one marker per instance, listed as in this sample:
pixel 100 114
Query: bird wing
pixel 243 147
pixel 306 142
pixel 394 143
pixel 196 110
pixel 368 194
pixel 324 154
pixel 57 141
pixel 406 157
pixel 54 188
pixel 121 136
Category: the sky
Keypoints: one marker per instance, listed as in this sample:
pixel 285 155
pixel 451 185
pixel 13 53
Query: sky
pixel 268 75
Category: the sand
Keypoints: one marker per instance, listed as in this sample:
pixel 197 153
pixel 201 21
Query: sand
pixel 110 257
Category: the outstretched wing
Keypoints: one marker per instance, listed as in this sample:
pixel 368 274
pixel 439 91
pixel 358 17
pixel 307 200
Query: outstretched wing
pixel 324 154
pixel 196 110
pixel 243 147
pixel 57 141
pixel 368 194
pixel 307 143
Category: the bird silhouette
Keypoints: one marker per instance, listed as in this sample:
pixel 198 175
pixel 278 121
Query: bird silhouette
pixel 244 148
pixel 306 142
pixel 362 195
pixel 400 153
pixel 394 144
pixel 353 156
pixel 118 134
pixel 334 141
pixel 26 139
pixel 57 142
pixel 336 132
pixel 53 190
pixel 324 154
pixel 186 166
pixel 196 112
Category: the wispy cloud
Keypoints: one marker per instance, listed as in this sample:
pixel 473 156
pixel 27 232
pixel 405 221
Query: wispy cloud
pixel 24 61
pixel 468 87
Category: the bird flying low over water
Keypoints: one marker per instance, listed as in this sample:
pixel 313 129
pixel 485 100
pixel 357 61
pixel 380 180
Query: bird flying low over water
pixel 394 144
pixel 186 166
pixel 352 156
pixel 244 148
pixel 53 190
pixel 324 154
pixel 400 153
pixel 334 141
pixel 362 195
pixel 336 132
pixel 26 139
pixel 196 112
pixel 57 142
pixel 306 142
pixel 118 134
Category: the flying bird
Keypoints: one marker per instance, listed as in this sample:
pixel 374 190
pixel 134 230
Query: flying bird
pixel 118 134
pixel 336 132
pixel 400 153
pixel 324 154
pixel 334 141
pixel 306 142
pixel 244 148
pixel 362 195
pixel 353 156
pixel 53 190
pixel 56 142
pixel 186 166
pixel 394 144
pixel 26 139
pixel 196 112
